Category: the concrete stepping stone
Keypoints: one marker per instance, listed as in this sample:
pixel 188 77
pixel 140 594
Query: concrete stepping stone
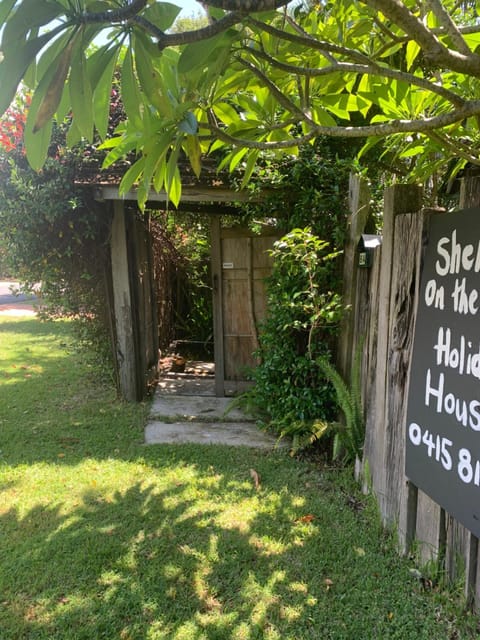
pixel 201 408
pixel 232 433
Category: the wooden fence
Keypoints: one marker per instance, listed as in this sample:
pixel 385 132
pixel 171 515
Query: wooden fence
pixel 134 311
pixel 382 300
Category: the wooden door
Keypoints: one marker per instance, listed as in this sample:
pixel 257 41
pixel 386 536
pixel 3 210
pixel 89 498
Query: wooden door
pixel 242 264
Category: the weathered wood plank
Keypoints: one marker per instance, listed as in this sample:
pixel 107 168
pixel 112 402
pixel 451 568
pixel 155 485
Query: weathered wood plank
pixel 457 539
pixel 216 257
pixel 245 263
pixel 359 206
pixel 125 341
pixel 404 283
pixel 399 199
pixel 367 328
pixel 428 531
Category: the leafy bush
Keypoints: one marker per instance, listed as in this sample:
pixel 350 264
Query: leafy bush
pixel 52 232
pixel 303 312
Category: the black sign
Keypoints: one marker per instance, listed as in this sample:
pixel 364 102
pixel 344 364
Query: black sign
pixel 443 416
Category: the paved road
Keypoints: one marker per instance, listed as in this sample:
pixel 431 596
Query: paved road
pixel 7 297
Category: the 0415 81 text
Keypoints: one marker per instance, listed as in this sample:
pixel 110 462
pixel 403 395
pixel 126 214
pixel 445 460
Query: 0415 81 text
pixel 439 448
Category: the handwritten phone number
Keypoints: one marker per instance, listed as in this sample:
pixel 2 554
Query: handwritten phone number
pixel 439 448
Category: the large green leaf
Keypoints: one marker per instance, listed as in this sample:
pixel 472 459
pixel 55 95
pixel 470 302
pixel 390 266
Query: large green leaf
pixel 227 114
pixel 73 135
pixel 48 55
pixel 37 141
pixel 97 62
pixel 5 9
pixel 14 65
pixel 26 16
pixel 147 72
pixel 81 95
pixel 54 90
pixel 159 175
pixel 131 176
pixel 173 183
pixel 174 187
pixel 102 92
pixel 169 80
pixel 196 54
pixel 131 97
pixel 194 153
pixel 37 145
pixel 121 147
pixel 161 14
pixel 412 51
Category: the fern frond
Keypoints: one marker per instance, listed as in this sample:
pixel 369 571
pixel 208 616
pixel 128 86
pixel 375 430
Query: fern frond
pixel 350 436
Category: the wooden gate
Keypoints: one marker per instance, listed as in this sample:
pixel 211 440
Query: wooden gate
pixel 240 264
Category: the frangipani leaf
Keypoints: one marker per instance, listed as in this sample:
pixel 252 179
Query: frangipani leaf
pixel 189 124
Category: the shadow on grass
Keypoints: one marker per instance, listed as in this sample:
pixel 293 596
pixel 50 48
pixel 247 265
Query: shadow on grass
pixel 144 561
pixel 181 547
pixel 24 360
pixel 51 404
pixel 153 563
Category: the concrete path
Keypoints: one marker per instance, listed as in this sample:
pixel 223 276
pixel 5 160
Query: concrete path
pixel 178 417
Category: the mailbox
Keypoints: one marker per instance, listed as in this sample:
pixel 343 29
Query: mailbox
pixel 366 247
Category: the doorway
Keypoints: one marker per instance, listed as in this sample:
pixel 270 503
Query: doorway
pixel 241 262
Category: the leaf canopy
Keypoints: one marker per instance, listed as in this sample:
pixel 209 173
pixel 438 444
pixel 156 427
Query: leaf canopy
pixel 263 81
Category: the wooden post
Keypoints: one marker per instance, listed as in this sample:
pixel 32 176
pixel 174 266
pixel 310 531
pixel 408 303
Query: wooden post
pixel 359 203
pixel 217 285
pixel 251 294
pixel 406 249
pixel 125 343
pixel 471 569
pixel 152 298
pixel 399 199
pixel 411 517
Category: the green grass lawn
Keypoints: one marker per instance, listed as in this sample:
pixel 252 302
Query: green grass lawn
pixel 102 537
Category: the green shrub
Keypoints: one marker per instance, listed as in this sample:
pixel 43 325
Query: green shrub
pixel 303 316
pixel 54 234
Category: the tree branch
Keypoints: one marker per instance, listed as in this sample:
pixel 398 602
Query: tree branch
pixel 185 37
pixel 122 14
pixel 455 147
pixel 449 26
pixel 423 125
pixel 309 41
pixel 434 51
pixel 254 144
pixel 399 14
pixel 304 34
pixel 246 6
pixel 371 70
pixel 281 98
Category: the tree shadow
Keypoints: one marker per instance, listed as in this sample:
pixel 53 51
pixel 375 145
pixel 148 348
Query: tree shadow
pixel 143 560
pixel 167 558
pixel 184 559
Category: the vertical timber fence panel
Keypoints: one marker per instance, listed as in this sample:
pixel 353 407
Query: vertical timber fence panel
pixel 359 205
pixel 381 427
pixel 384 317
pixel 405 249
